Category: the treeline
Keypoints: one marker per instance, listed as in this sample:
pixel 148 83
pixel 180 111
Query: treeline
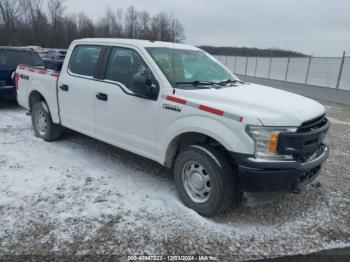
pixel 47 24
pixel 246 51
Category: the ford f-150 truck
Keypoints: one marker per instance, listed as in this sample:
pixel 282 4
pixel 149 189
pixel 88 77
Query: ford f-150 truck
pixel 224 139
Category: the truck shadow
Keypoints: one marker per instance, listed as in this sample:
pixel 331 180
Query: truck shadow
pixel 113 153
pixel 288 208
pixel 8 104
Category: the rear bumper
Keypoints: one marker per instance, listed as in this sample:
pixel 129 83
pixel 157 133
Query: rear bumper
pixel 8 92
pixel 257 176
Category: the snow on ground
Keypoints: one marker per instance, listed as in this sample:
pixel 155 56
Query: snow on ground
pixel 81 196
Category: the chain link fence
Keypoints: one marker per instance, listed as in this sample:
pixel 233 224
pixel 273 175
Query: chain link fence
pixel 332 72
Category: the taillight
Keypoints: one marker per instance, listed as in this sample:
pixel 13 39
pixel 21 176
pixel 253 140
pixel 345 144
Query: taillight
pixel 16 80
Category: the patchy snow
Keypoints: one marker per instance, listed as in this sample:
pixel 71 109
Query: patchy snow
pixel 336 121
pixel 78 195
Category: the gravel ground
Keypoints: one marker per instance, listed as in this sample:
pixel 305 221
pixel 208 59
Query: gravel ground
pixel 81 196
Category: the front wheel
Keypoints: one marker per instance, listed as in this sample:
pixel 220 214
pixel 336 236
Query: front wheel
pixel 204 180
pixel 42 123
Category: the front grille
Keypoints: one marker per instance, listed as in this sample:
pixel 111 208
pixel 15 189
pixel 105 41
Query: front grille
pixel 310 126
pixel 309 175
pixel 313 124
pixel 306 143
pixel 309 156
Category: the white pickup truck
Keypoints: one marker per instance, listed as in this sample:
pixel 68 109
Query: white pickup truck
pixel 224 139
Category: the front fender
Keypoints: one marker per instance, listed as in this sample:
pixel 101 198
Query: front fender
pixel 230 135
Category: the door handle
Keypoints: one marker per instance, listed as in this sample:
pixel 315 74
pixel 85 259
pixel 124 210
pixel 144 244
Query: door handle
pixel 64 87
pixel 101 96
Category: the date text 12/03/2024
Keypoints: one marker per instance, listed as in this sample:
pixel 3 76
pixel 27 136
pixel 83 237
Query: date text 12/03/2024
pixel 172 258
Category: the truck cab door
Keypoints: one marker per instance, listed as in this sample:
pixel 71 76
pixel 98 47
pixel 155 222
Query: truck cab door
pixel 122 117
pixel 76 89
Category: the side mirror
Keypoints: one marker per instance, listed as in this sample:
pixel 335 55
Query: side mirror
pixel 145 88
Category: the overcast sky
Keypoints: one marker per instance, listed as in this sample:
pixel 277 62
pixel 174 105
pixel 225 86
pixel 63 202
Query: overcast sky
pixel 314 27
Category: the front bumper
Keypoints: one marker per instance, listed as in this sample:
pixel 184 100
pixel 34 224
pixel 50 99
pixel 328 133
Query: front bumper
pixel 264 176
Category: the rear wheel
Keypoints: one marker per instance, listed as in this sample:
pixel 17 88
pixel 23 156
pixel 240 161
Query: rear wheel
pixel 42 122
pixel 204 180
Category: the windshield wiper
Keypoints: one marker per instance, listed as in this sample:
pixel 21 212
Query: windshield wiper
pixel 229 81
pixel 212 84
pixel 199 83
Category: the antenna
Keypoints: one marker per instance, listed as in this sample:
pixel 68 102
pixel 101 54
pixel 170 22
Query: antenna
pixel 174 81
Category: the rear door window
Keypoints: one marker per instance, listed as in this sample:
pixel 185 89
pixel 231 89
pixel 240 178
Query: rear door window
pixel 84 60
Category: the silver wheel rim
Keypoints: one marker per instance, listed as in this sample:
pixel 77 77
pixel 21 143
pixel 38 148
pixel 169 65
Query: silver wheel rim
pixel 41 122
pixel 196 182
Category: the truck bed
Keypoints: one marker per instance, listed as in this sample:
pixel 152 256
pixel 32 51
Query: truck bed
pixel 44 81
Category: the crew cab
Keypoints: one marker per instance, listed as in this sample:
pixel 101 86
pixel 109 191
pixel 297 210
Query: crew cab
pixel 224 140
pixel 10 58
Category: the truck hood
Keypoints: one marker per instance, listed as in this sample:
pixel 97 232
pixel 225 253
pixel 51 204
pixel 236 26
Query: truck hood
pixel 271 106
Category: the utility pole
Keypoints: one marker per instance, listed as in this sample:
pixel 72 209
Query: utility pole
pixel 340 70
pixel 235 64
pixel 256 65
pixel 287 69
pixel 268 76
pixel 308 70
pixel 246 65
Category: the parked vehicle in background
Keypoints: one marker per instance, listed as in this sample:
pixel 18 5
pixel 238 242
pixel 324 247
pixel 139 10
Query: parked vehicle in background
pixel 37 49
pixel 54 59
pixel 10 58
pixel 177 105
pixel 55 55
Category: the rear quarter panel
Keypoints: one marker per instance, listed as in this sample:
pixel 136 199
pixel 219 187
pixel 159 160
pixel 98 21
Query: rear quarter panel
pixel 32 80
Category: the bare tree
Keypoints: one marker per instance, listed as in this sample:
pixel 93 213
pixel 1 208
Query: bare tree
pixel 165 27
pixel 56 10
pixel 177 31
pixel 86 27
pixel 119 29
pixel 25 22
pixel 71 30
pixel 103 28
pixel 10 10
pixel 131 22
pixel 144 25
pixel 110 25
pixel 161 27
pixel 36 23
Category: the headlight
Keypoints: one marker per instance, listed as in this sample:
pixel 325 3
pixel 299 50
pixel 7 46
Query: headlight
pixel 266 141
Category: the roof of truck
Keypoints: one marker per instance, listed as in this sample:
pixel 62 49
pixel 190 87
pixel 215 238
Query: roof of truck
pixel 14 48
pixel 136 43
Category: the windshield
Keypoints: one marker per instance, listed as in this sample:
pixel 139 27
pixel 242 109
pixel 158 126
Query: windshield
pixel 191 67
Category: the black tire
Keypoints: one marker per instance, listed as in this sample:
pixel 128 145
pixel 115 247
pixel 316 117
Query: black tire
pixel 52 131
pixel 215 164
